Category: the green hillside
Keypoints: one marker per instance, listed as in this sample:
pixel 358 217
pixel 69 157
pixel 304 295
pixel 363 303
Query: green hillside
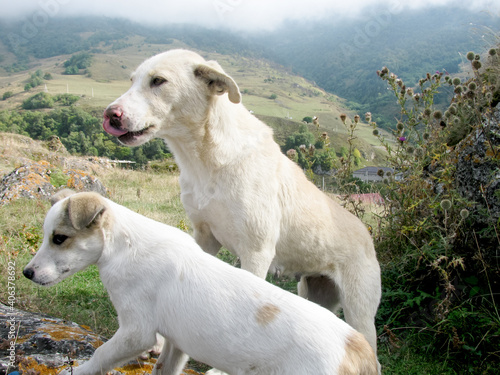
pixel 269 90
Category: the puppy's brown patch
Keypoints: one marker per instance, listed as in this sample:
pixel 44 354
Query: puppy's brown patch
pixel 359 357
pixel 266 314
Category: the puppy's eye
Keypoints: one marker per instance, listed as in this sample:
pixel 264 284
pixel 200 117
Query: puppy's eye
pixel 58 239
pixel 157 81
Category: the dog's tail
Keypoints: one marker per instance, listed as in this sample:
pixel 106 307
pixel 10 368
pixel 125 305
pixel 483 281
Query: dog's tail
pixel 359 357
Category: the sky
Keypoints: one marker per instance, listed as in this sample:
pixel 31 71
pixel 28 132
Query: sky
pixel 250 15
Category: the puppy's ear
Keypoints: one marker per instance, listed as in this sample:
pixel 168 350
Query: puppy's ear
pixel 85 209
pixel 60 195
pixel 217 81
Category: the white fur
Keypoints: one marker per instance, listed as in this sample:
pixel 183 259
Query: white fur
pixel 241 192
pixel 160 281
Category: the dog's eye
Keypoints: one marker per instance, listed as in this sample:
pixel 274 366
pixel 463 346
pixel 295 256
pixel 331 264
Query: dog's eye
pixel 157 81
pixel 58 239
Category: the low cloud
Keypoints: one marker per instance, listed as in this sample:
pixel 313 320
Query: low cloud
pixel 231 14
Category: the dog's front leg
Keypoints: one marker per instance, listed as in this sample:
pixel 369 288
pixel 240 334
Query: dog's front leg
pixel 171 361
pixel 123 346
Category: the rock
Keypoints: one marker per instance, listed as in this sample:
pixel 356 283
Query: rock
pixel 46 345
pixel 477 179
pixel 40 180
pixel 478 173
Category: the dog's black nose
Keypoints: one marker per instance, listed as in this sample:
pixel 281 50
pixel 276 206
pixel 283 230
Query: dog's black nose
pixel 28 273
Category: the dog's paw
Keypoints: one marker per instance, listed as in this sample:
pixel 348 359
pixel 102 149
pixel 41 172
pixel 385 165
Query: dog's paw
pixel 155 351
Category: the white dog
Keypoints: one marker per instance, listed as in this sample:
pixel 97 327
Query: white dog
pixel 241 192
pixel 160 281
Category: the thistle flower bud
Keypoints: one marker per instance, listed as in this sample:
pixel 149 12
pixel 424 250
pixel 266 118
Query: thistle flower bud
pixel 311 150
pixel 419 152
pixel 456 81
pixel 476 64
pixel 472 86
pixel 453 109
pixel 456 121
pixel 410 150
pixel 368 116
pixel 375 132
pixel 459 89
pixel 464 213
pixel 438 115
pixel 477 57
pixel 470 55
pixel 380 173
pixel 445 204
pixel 356 119
pixel 426 136
pixel 302 148
pixel 492 52
pixel 427 112
pixel 343 117
pixel 292 154
pixel 400 126
pixel 384 70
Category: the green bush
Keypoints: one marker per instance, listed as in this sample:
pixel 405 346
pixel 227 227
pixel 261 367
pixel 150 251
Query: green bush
pixel 438 285
pixel 40 100
pixel 7 95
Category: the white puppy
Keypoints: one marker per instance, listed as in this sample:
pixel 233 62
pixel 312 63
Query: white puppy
pixel 160 281
pixel 240 191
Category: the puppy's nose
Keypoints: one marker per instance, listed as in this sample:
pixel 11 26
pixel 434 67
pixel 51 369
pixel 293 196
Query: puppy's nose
pixel 29 273
pixel 113 112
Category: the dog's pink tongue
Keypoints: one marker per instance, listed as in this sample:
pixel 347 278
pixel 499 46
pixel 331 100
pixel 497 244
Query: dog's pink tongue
pixel 112 130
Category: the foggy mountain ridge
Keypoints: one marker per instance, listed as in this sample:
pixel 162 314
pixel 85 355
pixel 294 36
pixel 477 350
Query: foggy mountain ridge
pixel 341 55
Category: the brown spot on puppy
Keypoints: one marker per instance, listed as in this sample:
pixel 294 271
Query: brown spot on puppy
pixel 266 314
pixel 359 357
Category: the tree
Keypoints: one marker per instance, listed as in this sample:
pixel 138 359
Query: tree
pixel 40 100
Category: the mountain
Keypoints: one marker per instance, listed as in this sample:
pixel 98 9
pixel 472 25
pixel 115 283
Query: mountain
pixel 341 56
pixel 270 91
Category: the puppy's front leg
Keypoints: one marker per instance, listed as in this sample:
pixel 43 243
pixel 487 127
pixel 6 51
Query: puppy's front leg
pixel 171 361
pixel 123 346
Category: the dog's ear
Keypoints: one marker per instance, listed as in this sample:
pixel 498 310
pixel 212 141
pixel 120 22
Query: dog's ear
pixel 85 209
pixel 217 81
pixel 60 195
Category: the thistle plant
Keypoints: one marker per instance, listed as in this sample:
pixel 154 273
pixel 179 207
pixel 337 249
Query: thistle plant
pixel 425 236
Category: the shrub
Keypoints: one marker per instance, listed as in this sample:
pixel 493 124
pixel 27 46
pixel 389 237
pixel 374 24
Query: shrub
pixel 40 100
pixel 7 95
pixel 431 240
